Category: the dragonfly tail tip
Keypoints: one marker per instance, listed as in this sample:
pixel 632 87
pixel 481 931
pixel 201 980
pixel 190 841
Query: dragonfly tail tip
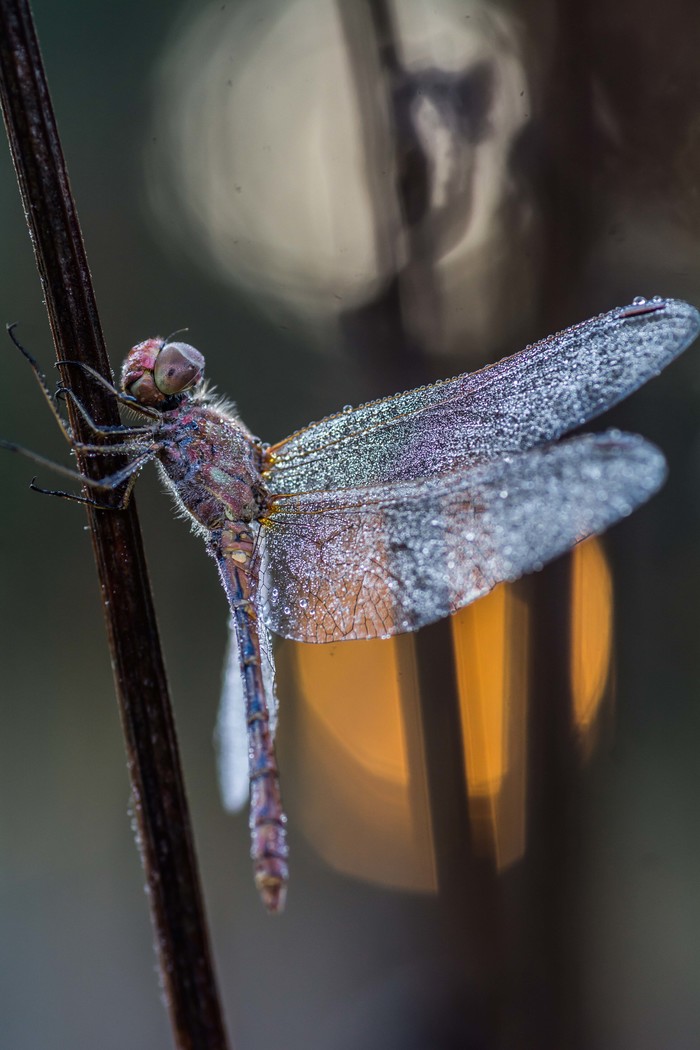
pixel 273 893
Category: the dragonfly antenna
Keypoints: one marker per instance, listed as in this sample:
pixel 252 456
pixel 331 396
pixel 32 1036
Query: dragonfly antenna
pixel 176 332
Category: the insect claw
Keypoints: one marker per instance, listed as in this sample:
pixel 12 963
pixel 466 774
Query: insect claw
pixel 37 488
pixel 10 328
pixel 43 492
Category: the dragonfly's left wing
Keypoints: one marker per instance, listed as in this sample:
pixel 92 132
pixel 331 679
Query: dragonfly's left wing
pixel 373 562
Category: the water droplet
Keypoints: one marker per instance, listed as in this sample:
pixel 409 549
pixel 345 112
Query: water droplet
pixel 658 299
pixel 286 610
pixel 303 602
pixel 503 493
pixel 347 408
pixel 639 300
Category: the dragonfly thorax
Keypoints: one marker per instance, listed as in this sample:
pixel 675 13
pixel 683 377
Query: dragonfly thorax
pixel 157 370
pixel 212 462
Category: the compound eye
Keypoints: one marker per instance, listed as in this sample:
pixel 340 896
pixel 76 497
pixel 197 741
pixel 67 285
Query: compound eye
pixel 178 367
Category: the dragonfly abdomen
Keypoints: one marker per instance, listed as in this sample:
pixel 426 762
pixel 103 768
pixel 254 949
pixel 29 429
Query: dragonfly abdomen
pixel 233 548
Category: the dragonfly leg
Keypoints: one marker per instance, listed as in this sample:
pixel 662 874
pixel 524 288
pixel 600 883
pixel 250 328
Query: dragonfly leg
pixel 147 429
pixel 104 484
pixel 41 380
pixel 232 549
pixel 74 498
pixel 109 450
pixel 64 391
pixel 124 399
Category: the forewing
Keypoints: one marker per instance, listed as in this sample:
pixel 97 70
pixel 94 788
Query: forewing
pixel 520 402
pixel 367 563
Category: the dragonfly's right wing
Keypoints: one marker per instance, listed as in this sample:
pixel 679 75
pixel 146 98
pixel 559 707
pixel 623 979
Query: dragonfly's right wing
pixel 523 401
pixel 373 562
pixel 231 734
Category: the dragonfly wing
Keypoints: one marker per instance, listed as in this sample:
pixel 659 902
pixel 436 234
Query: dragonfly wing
pixel 373 562
pixel 268 673
pixel 516 404
pixel 231 735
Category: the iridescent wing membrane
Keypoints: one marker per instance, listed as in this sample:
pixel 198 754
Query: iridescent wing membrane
pixel 390 516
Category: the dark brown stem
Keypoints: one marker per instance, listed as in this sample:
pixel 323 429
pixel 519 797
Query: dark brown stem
pixel 165 837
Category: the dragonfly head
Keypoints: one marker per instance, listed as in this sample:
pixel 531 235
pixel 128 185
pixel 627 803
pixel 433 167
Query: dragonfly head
pixel 157 370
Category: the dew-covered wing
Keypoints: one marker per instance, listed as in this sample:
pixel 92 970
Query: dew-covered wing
pixel 373 562
pixel 520 402
pixel 231 735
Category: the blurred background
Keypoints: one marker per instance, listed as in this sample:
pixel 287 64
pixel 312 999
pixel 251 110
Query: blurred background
pixel 493 824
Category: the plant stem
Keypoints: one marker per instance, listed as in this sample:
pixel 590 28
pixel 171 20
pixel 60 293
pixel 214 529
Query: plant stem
pixel 164 833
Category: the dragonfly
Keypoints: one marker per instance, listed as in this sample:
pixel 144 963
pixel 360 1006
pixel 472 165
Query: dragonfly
pixel 383 518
